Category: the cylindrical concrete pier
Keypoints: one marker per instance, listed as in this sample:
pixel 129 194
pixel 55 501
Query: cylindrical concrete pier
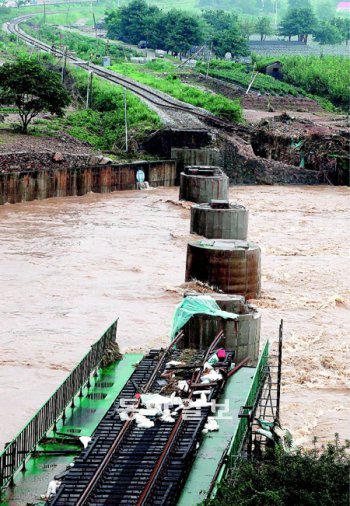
pixel 242 335
pixel 232 266
pixel 214 223
pixel 201 184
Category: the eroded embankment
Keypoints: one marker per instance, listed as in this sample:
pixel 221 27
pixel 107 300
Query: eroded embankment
pixel 70 266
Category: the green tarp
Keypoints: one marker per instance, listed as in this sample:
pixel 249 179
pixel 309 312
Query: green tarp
pixel 199 304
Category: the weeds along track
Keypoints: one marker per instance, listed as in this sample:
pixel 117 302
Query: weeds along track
pixel 157 98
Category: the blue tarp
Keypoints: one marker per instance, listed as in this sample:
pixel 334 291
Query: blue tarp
pixel 199 304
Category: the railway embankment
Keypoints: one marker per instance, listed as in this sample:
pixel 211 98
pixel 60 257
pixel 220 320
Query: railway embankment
pixel 279 150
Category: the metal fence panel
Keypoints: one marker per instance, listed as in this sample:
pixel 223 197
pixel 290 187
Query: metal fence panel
pixel 17 451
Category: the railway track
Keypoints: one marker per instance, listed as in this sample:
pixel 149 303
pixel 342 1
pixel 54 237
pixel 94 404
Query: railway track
pixel 155 97
pixel 128 465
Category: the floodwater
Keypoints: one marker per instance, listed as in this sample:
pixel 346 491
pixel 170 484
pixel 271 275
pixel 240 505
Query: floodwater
pixel 70 266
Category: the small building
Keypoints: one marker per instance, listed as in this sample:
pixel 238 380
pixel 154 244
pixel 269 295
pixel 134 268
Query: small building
pixel 273 69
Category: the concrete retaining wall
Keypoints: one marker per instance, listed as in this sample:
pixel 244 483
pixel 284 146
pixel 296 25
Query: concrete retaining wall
pixel 25 185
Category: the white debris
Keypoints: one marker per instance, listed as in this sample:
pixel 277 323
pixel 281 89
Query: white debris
pixel 85 440
pixel 183 386
pixel 150 412
pixel 207 367
pixel 160 402
pixel 200 392
pixel 173 363
pixel 124 416
pixel 200 403
pixel 142 422
pixel 167 417
pixel 211 425
pixel 52 488
pixel 210 376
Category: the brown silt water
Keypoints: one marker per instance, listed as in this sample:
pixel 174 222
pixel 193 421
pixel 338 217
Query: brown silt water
pixel 70 266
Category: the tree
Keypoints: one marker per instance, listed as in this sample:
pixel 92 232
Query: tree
pixel 32 89
pixel 137 20
pixel 231 41
pixel 300 22
pixel 182 31
pixel 326 33
pixel 247 26
pixel 263 27
pixel 343 25
pixel 308 478
pixel 225 32
pixel 113 24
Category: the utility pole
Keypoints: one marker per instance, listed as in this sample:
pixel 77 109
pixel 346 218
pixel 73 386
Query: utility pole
pixel 64 63
pixel 89 90
pixel 276 17
pixel 95 27
pixel 67 15
pixel 209 56
pixel 126 122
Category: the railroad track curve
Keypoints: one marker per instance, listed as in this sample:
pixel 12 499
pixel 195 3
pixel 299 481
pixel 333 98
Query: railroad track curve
pixel 158 99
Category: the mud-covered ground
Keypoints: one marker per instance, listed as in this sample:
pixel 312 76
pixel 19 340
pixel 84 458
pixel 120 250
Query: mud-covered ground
pixel 71 266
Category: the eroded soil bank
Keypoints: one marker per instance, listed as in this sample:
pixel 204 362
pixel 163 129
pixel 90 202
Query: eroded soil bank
pixel 70 266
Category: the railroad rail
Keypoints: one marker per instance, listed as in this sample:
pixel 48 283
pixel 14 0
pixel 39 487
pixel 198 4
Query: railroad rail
pixel 125 464
pixel 157 98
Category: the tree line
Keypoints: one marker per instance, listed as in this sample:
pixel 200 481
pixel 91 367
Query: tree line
pixel 178 31
pixel 301 21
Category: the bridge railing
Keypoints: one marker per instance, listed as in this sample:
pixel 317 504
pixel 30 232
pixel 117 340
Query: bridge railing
pixel 241 430
pixel 16 452
pixel 239 436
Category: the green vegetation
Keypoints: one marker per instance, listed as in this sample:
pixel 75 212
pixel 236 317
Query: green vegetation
pixel 309 478
pixel 326 77
pixel 225 33
pixel 88 48
pixel 32 88
pixel 176 31
pixel 218 105
pixel 238 73
pixel 103 124
pixel 323 79
pixel 299 21
pixel 263 27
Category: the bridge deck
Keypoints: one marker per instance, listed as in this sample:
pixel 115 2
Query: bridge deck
pixel 214 443
pixel 80 421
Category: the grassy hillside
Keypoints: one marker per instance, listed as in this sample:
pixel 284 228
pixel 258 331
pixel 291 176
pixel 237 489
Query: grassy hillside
pixel 217 104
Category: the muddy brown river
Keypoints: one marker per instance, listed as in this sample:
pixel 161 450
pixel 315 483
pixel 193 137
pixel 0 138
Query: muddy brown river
pixel 70 266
